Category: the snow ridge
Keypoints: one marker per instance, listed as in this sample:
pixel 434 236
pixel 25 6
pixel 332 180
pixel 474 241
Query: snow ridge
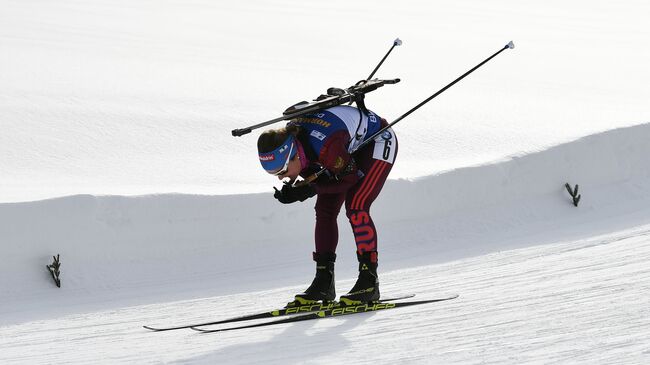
pixel 118 251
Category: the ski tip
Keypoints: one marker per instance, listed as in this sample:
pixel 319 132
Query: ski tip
pixel 445 297
pixel 442 298
pixel 150 328
pixel 405 296
pixel 452 296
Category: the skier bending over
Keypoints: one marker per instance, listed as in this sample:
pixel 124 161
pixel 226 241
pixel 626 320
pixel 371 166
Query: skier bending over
pixel 325 140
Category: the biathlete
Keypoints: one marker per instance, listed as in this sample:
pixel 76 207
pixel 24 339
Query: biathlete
pixel 326 143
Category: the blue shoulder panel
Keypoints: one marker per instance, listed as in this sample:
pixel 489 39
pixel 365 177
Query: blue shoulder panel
pixel 320 126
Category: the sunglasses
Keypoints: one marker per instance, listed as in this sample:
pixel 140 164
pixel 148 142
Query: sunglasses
pixel 284 169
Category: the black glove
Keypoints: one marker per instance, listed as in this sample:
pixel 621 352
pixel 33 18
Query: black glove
pixel 290 194
pixel 329 176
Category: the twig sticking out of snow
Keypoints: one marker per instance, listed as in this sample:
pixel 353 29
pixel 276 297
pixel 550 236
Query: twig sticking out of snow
pixel 574 193
pixel 53 268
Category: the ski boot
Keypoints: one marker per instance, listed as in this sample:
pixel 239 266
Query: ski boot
pixel 322 288
pixel 366 289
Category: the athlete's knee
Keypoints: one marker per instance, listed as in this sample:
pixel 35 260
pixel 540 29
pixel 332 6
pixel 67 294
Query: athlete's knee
pixel 327 214
pixel 358 217
pixel 326 210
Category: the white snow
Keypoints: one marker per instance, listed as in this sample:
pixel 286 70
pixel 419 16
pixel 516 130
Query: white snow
pixel 116 153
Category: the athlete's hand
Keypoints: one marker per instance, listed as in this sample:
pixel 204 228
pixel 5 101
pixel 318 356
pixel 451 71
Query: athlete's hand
pixel 290 194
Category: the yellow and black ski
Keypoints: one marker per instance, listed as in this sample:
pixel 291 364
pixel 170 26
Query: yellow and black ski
pixel 302 309
pixel 334 312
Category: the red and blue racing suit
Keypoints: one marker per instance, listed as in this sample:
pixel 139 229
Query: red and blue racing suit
pixel 326 139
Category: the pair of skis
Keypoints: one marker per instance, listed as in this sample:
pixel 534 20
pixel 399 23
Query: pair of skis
pixel 303 313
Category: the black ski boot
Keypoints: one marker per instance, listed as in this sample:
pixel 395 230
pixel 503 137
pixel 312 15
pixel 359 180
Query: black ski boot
pixel 366 289
pixel 322 288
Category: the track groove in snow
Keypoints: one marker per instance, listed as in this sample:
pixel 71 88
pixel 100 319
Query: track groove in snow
pixel 563 302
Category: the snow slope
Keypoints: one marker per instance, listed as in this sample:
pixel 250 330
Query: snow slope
pixel 139 97
pixel 583 301
pixel 540 280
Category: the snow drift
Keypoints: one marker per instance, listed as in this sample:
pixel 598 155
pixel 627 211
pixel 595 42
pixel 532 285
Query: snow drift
pixel 118 251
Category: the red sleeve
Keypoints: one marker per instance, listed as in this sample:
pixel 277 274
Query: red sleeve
pixel 335 157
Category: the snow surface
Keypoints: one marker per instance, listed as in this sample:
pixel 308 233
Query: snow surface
pixel 102 102
pixel 139 97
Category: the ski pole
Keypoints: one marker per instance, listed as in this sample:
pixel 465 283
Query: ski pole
pixel 509 45
pixel 396 42
pixel 344 96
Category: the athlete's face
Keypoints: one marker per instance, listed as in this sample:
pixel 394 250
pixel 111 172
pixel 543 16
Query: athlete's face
pixel 292 171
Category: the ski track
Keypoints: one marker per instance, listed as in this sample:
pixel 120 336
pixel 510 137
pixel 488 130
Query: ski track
pixel 557 303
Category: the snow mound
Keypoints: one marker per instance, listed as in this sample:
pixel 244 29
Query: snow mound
pixel 119 251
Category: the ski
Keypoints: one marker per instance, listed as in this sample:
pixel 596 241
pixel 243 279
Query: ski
pixel 334 312
pixel 318 307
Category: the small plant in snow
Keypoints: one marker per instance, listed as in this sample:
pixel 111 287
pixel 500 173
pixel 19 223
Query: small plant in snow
pixel 53 268
pixel 574 193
